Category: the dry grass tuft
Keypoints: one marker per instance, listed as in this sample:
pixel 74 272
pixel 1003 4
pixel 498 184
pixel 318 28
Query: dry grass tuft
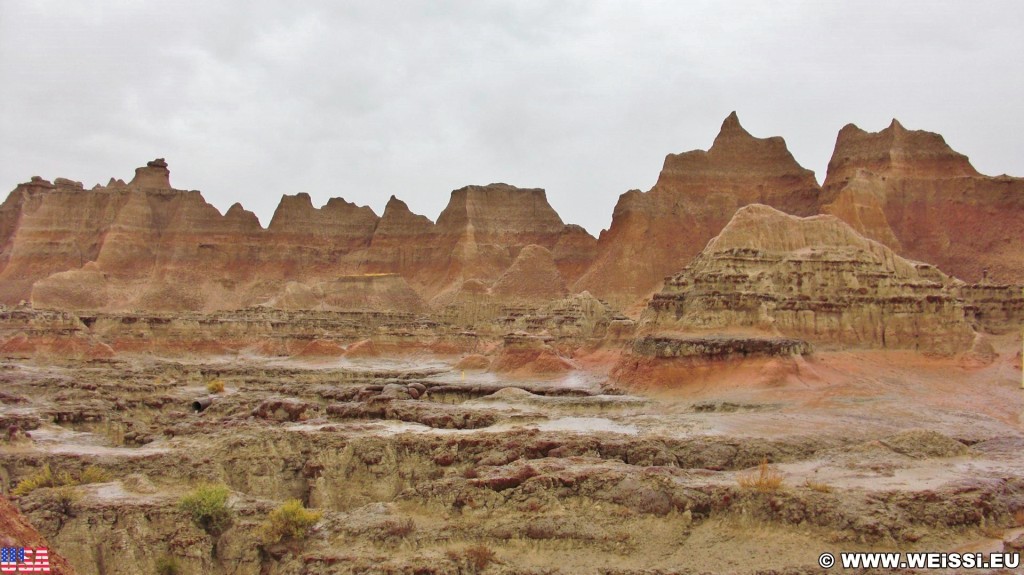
pixel 818 486
pixel 399 528
pixel 43 478
pixel 215 386
pixel 94 474
pixel 765 479
pixel 479 556
pixel 64 498
pixel 472 559
pixel 1018 518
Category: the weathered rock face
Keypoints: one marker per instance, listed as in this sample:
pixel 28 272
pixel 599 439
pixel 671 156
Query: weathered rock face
pixel 533 276
pixel 909 190
pixel 403 242
pixel 487 226
pixel 305 242
pixel 654 234
pixel 369 292
pixel 146 246
pixel 813 278
pixel 17 532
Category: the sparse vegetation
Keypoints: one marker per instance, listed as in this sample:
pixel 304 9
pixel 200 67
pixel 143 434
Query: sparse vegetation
pixel 399 528
pixel 765 479
pixel 1018 518
pixel 43 478
pixel 479 556
pixel 475 558
pixel 64 498
pixel 168 565
pixel 95 474
pixel 215 386
pixel 208 506
pixel 290 521
pixel 818 486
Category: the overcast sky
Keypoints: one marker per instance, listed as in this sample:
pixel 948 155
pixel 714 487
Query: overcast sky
pixel 249 100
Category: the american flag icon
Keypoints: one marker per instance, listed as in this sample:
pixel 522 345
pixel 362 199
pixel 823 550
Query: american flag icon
pixel 24 560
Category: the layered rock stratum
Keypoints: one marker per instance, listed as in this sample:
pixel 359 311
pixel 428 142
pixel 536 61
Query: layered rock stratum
pixel 813 278
pixel 654 234
pixel 146 246
pixel 909 190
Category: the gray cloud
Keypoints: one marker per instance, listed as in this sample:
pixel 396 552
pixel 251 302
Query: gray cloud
pixel 251 100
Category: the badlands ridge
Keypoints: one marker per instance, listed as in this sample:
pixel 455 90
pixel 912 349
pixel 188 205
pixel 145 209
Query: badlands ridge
pixel 499 392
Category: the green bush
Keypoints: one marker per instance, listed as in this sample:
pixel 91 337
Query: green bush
pixel 289 521
pixel 208 506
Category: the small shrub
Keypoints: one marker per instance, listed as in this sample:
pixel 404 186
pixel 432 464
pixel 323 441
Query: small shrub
pixel 94 474
pixel 470 473
pixel 479 557
pixel 208 506
pixel 215 386
pixel 399 528
pixel 474 559
pixel 289 521
pixel 818 486
pixel 766 479
pixel 43 478
pixel 64 498
pixel 542 528
pixel 168 565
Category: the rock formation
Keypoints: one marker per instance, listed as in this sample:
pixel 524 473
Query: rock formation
pixel 656 233
pixel 363 292
pixel 15 531
pixel 144 245
pixel 813 278
pixel 147 246
pixel 533 276
pixel 909 190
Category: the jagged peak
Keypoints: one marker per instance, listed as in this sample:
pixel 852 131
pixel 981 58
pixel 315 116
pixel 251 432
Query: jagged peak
pixel 396 205
pixel 397 210
pixel 731 125
pixel 918 153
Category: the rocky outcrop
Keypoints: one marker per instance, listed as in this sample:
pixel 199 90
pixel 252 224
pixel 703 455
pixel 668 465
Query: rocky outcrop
pixel 656 233
pixel 812 278
pixel 304 242
pixel 147 246
pixel 485 227
pixel 403 242
pixel 154 175
pixel 533 276
pixel 909 190
pixel 16 531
